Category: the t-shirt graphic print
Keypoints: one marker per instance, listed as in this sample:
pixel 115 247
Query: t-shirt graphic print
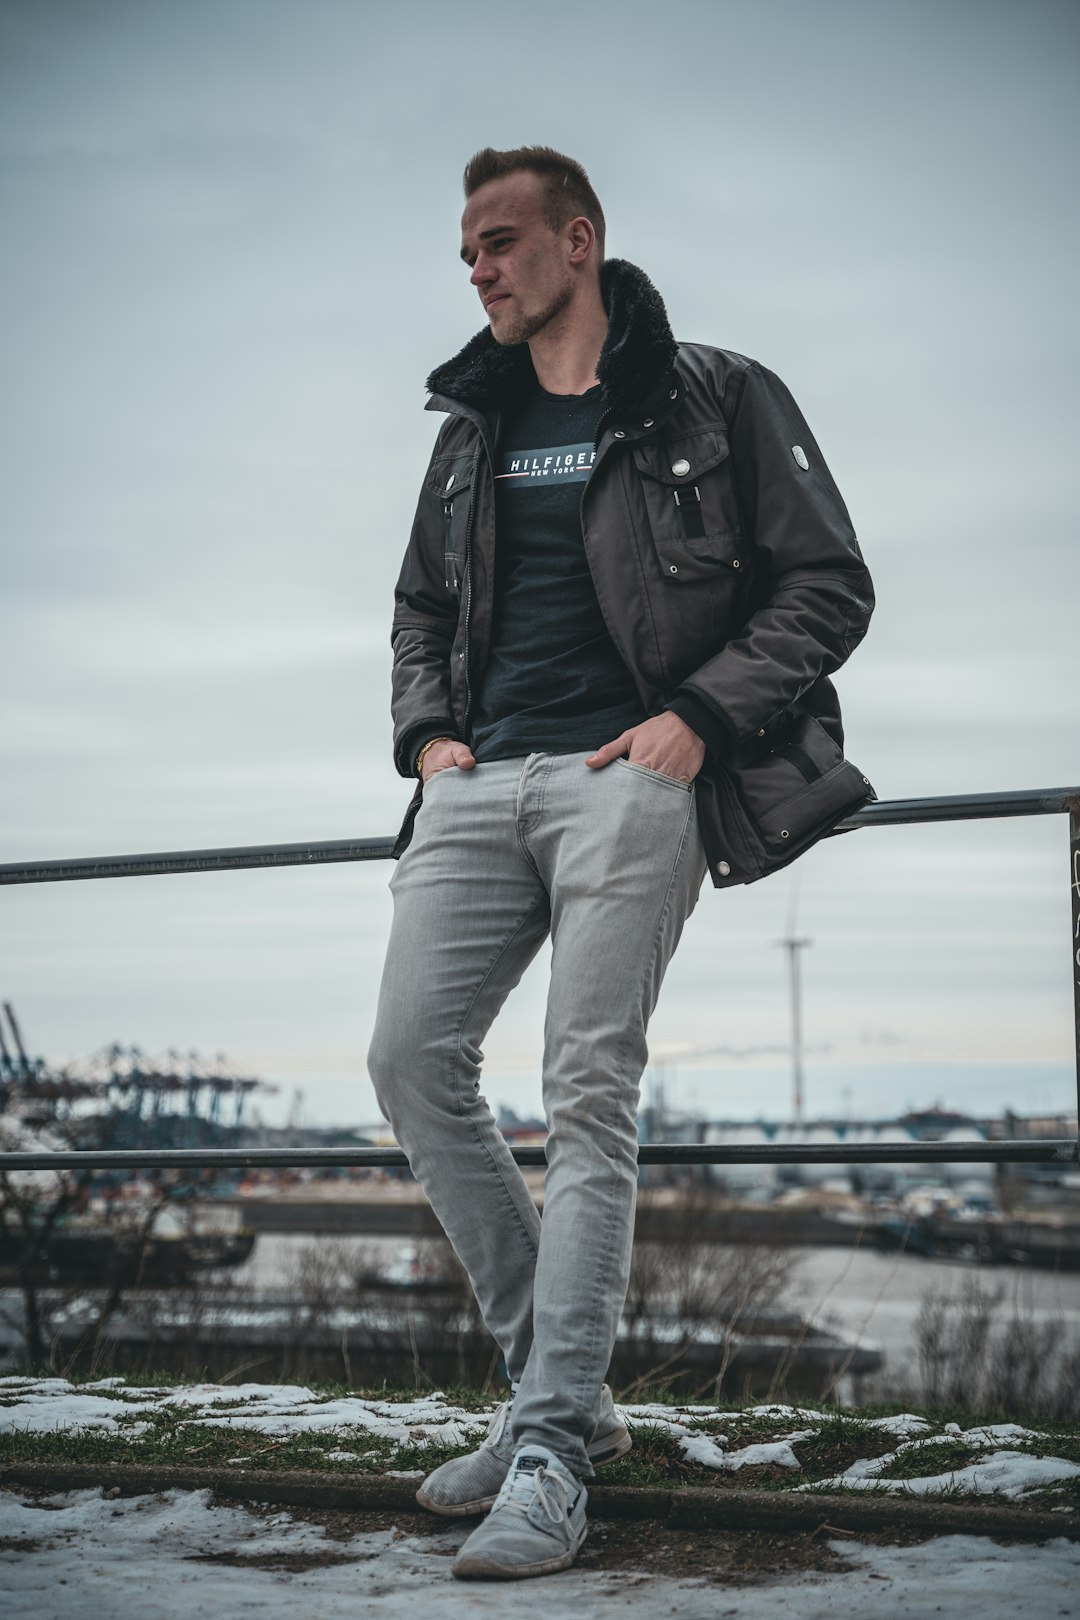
pixel 564 464
pixel 553 682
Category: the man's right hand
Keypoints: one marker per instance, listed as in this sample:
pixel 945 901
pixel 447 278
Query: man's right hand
pixel 444 754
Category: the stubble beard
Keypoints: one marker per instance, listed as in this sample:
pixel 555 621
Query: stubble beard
pixel 520 328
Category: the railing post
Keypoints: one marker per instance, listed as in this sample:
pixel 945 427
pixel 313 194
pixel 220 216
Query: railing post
pixel 1074 889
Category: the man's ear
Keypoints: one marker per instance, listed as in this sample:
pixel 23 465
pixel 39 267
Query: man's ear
pixel 582 239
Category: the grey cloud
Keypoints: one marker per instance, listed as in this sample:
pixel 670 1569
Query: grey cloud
pixel 231 261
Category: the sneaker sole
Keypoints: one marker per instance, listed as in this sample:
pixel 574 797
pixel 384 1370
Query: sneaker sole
pixel 486 1569
pixel 454 1510
pixel 616 1443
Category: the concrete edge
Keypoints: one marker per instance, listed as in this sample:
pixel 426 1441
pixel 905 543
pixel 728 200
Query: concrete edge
pixel 875 1512
pixel 696 1509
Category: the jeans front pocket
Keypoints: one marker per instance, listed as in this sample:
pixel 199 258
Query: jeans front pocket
pixel 657 776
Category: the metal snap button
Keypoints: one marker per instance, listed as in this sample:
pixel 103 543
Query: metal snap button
pixel 680 468
pixel 450 480
pixel 800 456
pixel 618 433
pixel 723 869
pixel 648 422
pixel 760 733
pixel 736 563
pixel 674 394
pixel 672 569
pixel 784 833
pixel 461 655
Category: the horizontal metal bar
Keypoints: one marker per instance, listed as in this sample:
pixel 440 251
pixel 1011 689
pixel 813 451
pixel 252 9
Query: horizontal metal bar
pixel 962 807
pixel 887 813
pixel 1056 1151
pixel 198 860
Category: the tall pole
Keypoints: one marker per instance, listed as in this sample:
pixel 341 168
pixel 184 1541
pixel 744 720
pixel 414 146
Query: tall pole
pixel 793 947
pixel 1074 887
pixel 24 1061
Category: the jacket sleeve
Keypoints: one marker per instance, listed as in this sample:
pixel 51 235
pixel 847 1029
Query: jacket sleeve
pixel 422 635
pixel 812 596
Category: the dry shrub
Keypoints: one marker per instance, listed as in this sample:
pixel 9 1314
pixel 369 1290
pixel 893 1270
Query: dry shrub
pixel 697 1281
pixel 974 1357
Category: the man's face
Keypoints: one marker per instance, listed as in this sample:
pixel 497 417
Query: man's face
pixel 520 266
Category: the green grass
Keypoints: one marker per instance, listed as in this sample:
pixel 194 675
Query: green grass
pixel 170 1436
pixel 838 1443
pixel 1064 1445
pixel 944 1456
pixel 1065 1495
pixel 472 1399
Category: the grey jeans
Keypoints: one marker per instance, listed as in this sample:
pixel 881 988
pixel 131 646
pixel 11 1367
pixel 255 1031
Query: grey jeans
pixel 610 862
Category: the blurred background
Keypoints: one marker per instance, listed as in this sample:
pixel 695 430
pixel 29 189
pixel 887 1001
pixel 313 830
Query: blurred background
pixel 230 260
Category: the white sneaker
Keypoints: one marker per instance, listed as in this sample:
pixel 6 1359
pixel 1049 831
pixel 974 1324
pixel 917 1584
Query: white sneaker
pixel 535 1527
pixel 471 1483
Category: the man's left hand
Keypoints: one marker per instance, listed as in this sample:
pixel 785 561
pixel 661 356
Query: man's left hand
pixel 665 744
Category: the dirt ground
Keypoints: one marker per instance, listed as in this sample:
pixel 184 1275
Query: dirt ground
pixel 643 1549
pixel 735 1558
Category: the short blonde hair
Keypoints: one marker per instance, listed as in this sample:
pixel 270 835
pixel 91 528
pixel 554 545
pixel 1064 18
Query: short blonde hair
pixel 567 189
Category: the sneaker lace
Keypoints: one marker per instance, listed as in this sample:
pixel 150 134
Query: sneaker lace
pixel 498 1425
pixel 556 1511
pixel 522 1488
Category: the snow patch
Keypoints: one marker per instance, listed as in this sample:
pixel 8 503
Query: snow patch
pixel 902 1425
pixel 1002 1473
pixel 283 1411
pixel 702 1448
pixel 778 1452
pixel 708 1449
pixel 145 1558
pixel 45 1405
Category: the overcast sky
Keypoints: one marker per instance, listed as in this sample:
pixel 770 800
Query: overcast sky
pixel 229 260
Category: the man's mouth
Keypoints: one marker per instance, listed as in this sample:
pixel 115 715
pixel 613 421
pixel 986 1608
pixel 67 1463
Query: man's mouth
pixel 496 298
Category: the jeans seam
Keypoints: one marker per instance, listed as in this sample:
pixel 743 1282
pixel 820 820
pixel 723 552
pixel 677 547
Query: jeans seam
pixel 590 1355
pixel 666 907
pixel 541 791
pixel 659 934
pixel 455 1077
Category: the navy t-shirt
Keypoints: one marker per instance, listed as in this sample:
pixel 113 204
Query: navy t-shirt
pixel 553 682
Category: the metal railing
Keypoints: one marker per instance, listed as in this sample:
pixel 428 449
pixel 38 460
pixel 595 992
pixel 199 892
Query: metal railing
pixel 889 813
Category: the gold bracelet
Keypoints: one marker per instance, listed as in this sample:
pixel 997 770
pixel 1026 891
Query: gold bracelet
pixel 423 751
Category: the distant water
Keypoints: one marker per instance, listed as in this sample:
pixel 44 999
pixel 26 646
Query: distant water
pixel 876 1297
pixel 867 1297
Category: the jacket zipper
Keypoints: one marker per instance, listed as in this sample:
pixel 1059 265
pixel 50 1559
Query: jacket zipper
pixel 469 525
pixel 450 578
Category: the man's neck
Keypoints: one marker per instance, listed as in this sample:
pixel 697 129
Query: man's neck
pixel 566 352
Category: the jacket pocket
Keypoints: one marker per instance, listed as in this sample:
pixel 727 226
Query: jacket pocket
pixel 796 786
pixel 689 505
pixel 813 811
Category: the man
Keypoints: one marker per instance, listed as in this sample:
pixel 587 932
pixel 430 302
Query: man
pixel 629 578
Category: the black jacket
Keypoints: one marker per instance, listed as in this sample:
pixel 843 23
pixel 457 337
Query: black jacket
pixel 724 562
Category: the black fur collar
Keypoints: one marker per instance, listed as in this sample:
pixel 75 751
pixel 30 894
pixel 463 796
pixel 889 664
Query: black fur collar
pixel 636 359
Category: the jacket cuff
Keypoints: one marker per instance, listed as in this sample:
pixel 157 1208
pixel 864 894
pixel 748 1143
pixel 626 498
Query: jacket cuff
pixel 715 733
pixel 414 739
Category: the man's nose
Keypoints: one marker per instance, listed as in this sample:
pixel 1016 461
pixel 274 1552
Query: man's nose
pixel 483 270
